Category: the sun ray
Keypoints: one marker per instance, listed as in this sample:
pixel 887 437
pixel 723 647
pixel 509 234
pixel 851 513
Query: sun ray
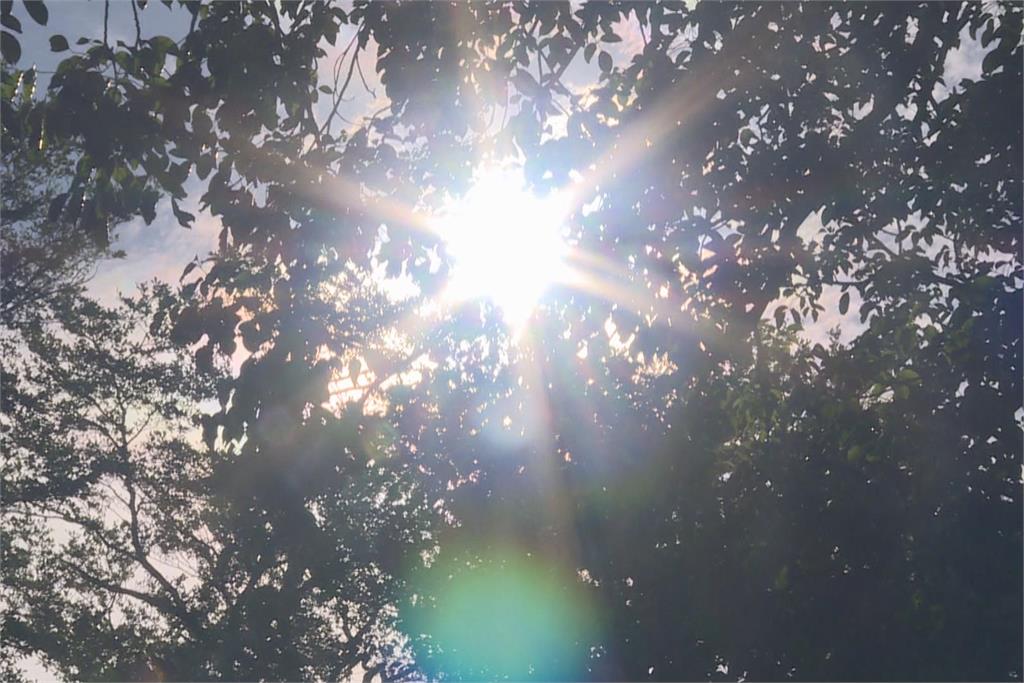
pixel 670 117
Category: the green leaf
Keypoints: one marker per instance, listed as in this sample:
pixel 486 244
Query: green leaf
pixel 9 47
pixel 58 43
pixel 909 375
pixel 164 45
pixel 37 10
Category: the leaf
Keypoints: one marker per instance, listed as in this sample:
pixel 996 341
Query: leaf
pixel 604 61
pixel 37 10
pixel 148 207
pixel 526 84
pixel 9 47
pixel 204 165
pixel 588 52
pixel 184 217
pixel 58 43
pixel 204 358
pixel 780 315
pixel 909 375
pixel 164 45
pixel 844 303
pixel 11 22
pixel 94 225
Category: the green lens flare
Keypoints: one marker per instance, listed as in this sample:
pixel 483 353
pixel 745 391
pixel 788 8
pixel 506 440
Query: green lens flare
pixel 507 617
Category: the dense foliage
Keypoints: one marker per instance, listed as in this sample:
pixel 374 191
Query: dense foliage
pixel 696 491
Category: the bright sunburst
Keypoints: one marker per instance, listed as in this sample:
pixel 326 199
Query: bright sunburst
pixel 506 244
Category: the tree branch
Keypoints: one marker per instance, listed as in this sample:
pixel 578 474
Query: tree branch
pixel 180 608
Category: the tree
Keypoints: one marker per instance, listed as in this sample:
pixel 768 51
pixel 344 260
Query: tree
pixel 46 251
pixel 96 421
pixel 132 551
pixel 710 155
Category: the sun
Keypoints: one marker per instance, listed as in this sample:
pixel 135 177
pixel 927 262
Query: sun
pixel 506 244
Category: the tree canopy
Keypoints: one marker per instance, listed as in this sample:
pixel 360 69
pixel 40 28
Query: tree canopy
pixel 278 468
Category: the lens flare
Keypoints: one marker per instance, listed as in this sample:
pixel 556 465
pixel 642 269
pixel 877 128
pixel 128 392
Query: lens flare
pixel 507 617
pixel 506 244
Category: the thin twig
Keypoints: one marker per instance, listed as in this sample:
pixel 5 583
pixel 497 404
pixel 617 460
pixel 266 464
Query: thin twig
pixel 339 93
pixel 138 26
pixel 359 68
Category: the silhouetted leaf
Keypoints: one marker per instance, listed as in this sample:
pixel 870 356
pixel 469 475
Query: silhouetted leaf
pixel 185 218
pixel 37 10
pixel 9 47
